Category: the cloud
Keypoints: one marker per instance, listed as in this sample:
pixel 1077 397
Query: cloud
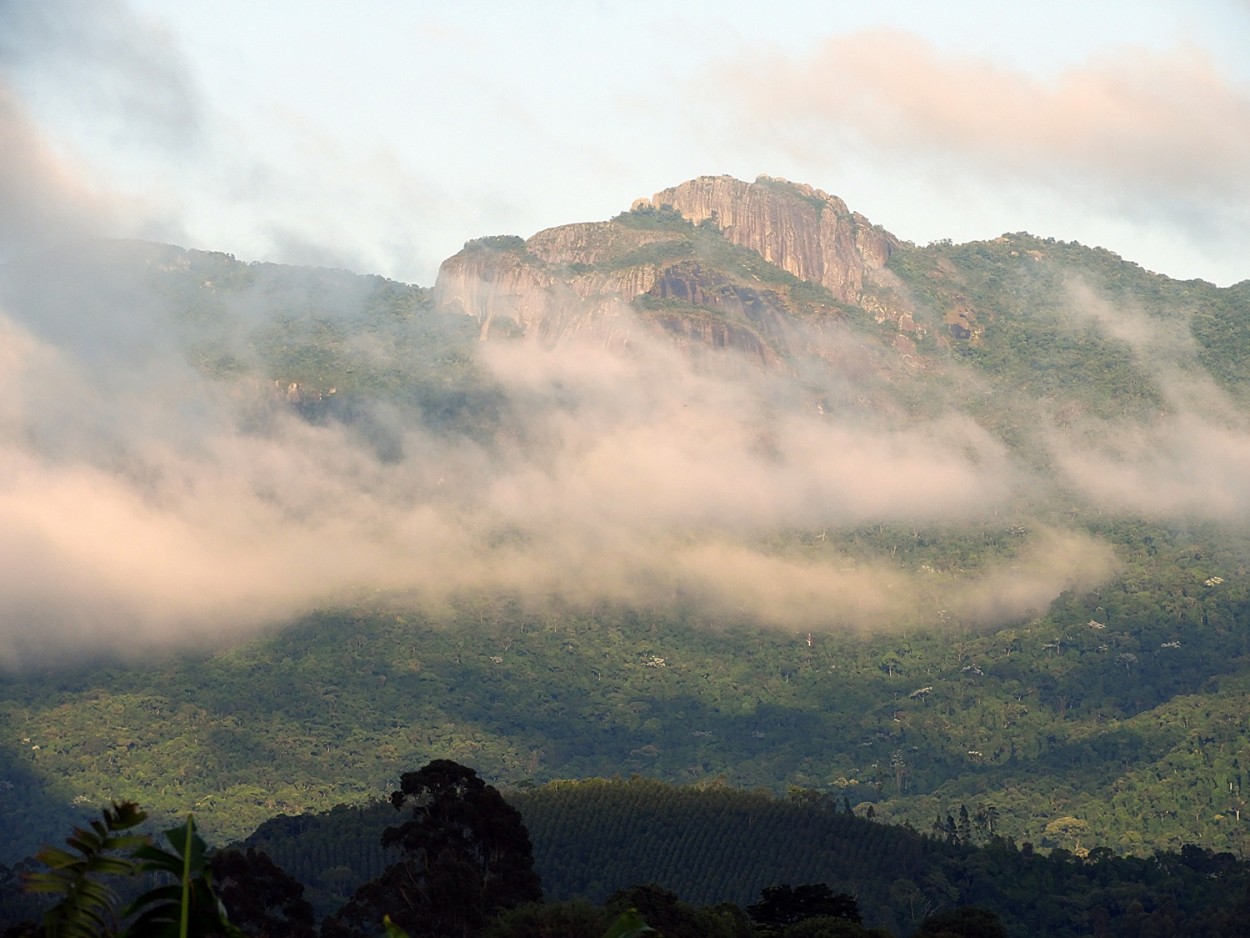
pixel 737 582
pixel 128 73
pixel 1132 116
pixel 184 509
pixel 1191 460
pixel 271 181
pixel 652 438
pixel 1052 562
pixel 314 199
pixel 129 87
pixel 1139 148
pixel 44 197
pixel 1181 466
pixel 144 505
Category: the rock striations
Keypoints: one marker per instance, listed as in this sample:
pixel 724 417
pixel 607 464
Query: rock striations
pixel 805 231
pixel 689 260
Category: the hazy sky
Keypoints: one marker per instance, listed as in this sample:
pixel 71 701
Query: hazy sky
pixel 381 135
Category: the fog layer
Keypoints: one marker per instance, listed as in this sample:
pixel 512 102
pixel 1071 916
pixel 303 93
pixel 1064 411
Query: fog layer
pixel 143 503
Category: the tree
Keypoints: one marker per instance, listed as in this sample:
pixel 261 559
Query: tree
pixel 574 919
pixel 1068 827
pixel 466 856
pixel 783 905
pixel 184 903
pixel 666 914
pixel 828 926
pixel 965 922
pixel 259 896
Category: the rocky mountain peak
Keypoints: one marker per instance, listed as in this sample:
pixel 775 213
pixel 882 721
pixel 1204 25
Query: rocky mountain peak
pixel 713 246
pixel 803 230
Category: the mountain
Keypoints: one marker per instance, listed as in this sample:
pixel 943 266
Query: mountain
pixel 733 485
pixel 673 255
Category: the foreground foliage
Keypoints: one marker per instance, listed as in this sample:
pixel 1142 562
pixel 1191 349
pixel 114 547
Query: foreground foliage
pixel 465 856
pixel 694 850
pixel 86 905
pixel 718 847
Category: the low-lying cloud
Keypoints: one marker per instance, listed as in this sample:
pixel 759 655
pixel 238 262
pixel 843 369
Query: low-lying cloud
pixel 143 504
pixel 44 198
pixel 1180 466
pixel 1189 460
pixel 146 504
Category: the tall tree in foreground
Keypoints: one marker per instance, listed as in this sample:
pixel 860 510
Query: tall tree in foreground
pixel 466 856
pixel 782 906
pixel 261 899
pixel 963 922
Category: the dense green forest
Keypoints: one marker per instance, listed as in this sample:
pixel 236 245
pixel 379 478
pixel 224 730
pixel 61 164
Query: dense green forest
pixel 1092 415
pixel 1137 728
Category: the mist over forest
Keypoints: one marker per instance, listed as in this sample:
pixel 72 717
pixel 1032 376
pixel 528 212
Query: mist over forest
pixel 164 486
pixel 361 409
pixel 922 525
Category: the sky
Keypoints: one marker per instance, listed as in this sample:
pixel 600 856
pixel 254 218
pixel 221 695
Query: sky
pixel 381 136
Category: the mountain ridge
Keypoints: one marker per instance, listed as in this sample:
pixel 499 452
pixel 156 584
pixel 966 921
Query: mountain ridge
pixel 983 527
pixel 647 253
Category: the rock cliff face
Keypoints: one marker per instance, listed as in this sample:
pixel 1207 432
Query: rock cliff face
pixel 805 231
pixel 489 282
pixel 562 280
pixel 662 258
pixel 749 320
pixel 592 243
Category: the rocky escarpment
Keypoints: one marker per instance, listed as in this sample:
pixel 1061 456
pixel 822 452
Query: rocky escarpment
pixel 563 280
pixel 510 289
pixel 713 262
pixel 496 278
pixel 593 243
pixel 805 231
pixel 750 320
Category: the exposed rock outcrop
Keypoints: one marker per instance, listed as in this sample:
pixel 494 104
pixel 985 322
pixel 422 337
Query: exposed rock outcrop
pixel 560 281
pixel 666 257
pixel 805 231
pixel 489 280
pixel 590 243
pixel 750 320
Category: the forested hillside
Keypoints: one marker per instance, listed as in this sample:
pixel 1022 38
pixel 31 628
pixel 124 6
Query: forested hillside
pixel 691 861
pixel 716 844
pixel 1139 740
pixel 927 526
